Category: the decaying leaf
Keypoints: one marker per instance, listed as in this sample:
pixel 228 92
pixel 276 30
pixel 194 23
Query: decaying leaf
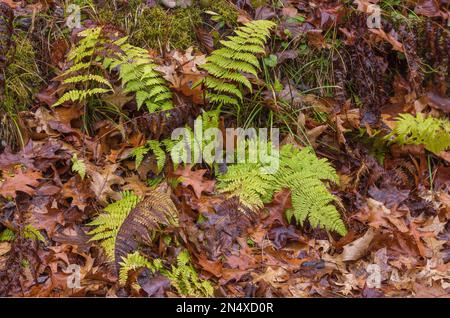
pixel 195 179
pixel 19 180
pixel 102 181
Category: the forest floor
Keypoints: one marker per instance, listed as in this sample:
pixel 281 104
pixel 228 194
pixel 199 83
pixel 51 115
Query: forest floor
pixel 363 85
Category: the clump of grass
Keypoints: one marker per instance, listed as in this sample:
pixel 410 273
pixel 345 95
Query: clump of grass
pixel 22 81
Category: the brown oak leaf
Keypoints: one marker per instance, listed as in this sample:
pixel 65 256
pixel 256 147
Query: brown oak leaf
pixel 19 181
pixel 195 179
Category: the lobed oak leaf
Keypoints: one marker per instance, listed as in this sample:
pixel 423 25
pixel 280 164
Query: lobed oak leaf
pixel 102 181
pixel 19 181
pixel 195 179
pixel 47 221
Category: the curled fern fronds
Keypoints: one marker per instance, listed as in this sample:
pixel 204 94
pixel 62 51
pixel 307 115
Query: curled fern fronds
pixel 227 66
pixel 433 133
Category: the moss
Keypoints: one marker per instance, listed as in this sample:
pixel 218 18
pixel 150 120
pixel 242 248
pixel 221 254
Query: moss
pixel 22 75
pixel 156 27
pixel 174 27
pixel 226 10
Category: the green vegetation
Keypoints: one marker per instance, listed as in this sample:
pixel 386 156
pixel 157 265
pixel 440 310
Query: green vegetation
pixel 225 65
pixel 156 27
pixel 182 276
pixel 433 133
pixel 300 171
pixel 108 223
pixel 22 82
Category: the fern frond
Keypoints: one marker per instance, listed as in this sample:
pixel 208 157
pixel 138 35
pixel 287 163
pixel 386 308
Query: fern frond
pixel 139 75
pixel 86 78
pixel 80 95
pixel 159 153
pixel 78 166
pixel 152 213
pixel 226 65
pixel 108 223
pixel 300 171
pixel 7 236
pixel 30 232
pixel 132 261
pixel 155 147
pixel 240 56
pixel 137 71
pixel 246 182
pixel 433 133
pixel 185 279
pixel 255 49
pixel 224 73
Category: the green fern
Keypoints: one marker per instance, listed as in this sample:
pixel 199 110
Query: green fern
pixel 133 261
pixel 78 166
pixel 184 277
pixel 85 58
pixel 139 76
pixel 208 119
pixel 226 65
pixel 181 149
pixel 155 147
pixel 300 171
pixel 97 53
pixel 245 181
pixel 7 236
pixel 433 133
pixel 107 224
pixel 29 232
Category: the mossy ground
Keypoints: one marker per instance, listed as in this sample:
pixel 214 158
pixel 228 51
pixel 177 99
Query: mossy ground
pixel 22 82
pixel 156 27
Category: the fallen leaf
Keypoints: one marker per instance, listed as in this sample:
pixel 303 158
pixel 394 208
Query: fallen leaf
pixel 195 179
pixel 358 248
pixel 396 45
pixel 280 203
pixel 102 180
pixel 19 181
